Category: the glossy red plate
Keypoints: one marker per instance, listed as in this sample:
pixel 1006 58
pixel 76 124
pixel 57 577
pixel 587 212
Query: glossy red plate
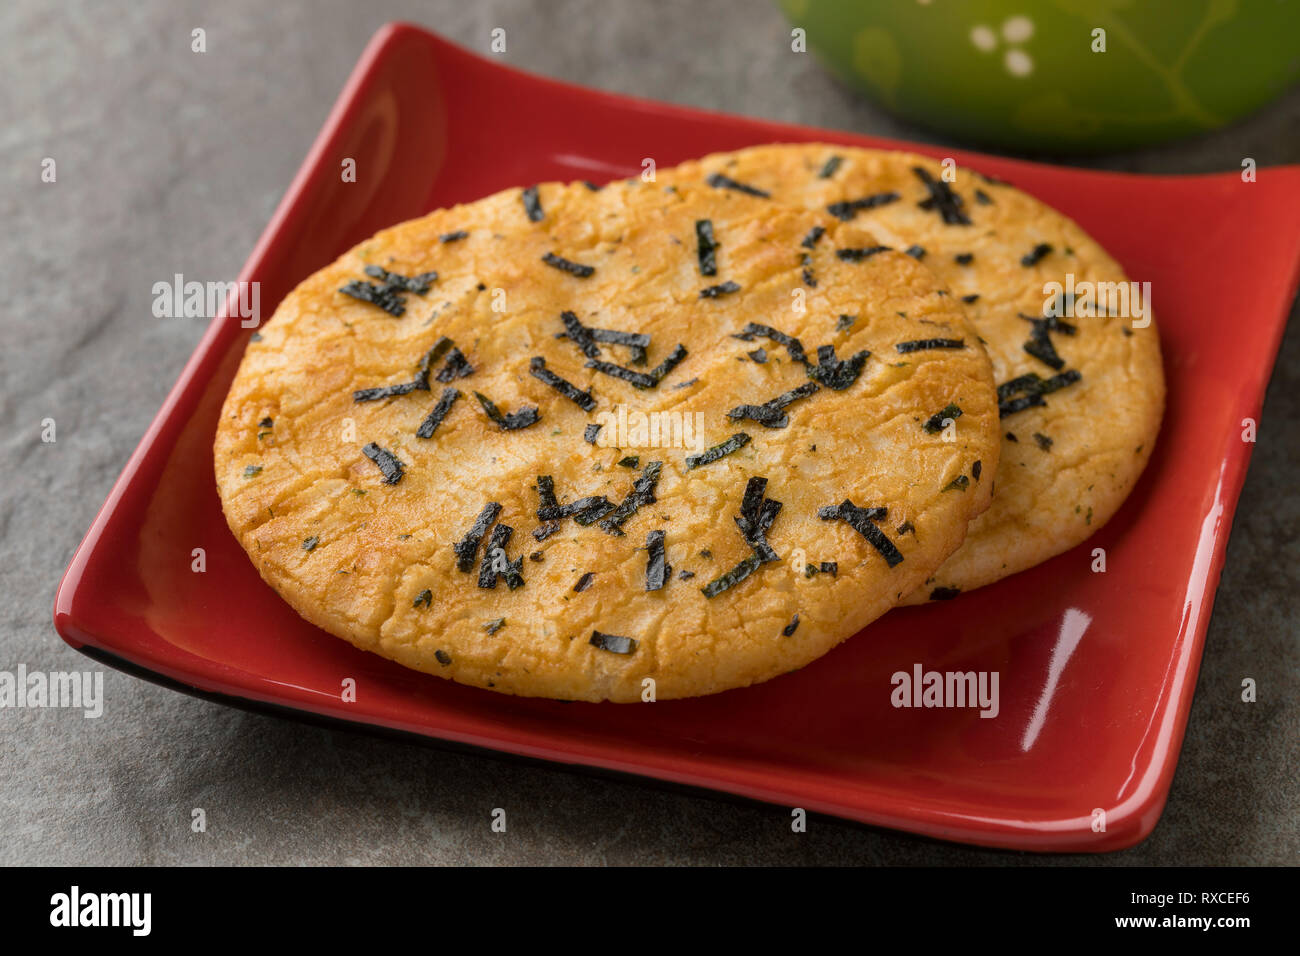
pixel 1096 670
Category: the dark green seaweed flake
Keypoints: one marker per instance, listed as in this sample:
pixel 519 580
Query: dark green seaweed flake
pixel 526 416
pixel 719 181
pixel 720 450
pixel 1036 254
pixel 706 247
pixel 537 368
pixel 858 255
pixel 831 165
pixel 849 208
pixel 861 520
pixel 438 413
pixel 614 643
pixel 941 199
pixel 423 599
pixel 715 291
pixel 790 628
pixel 388 464
pixel 565 265
pixel 532 204
pixel 658 570
pixel 920 345
pixel 936 421
pixel 309 544
pixel 466 548
pixel 944 594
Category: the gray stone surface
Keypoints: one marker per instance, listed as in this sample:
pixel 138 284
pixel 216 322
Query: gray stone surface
pixel 170 162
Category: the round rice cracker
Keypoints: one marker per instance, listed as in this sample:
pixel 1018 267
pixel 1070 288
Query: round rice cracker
pixel 370 554
pixel 1072 449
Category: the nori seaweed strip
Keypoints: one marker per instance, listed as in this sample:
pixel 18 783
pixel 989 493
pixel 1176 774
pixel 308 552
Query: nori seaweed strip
pixel 584 582
pixel 638 342
pixel 542 533
pixel 527 415
pixel 532 204
pixel 790 628
pixel 590 433
pixel 815 233
pixel 1036 254
pixel 763 414
pixel 982 198
pixel 964 258
pixel 657 568
pixel 1043 441
pixel 968 299
pixel 858 255
pixel 975 470
pixel 845 211
pixel 935 423
pixel 418 284
pixel 916 252
pixel 494 625
pixel 758 356
pixel 809 279
pixel 1012 406
pixel 389 465
pixel 630 461
pixel 942 199
pixel 709 455
pixel 960 483
pixel 831 166
pixel 614 643
pixel 488 571
pixel 382 296
pixel 596 507
pixel 537 367
pixel 756 515
pixel 642 493
pixel 443 657
pixel 631 376
pixel 860 520
pixel 920 345
pixel 845 322
pixel 944 594
pixel 1040 339
pixel 457 366
pixel 546 495
pixel 706 247
pixel 423 599
pixel 551 510
pixel 439 412
pixel 769 413
pixel 467 547
pixel 831 567
pixel 714 291
pixel 1034 388
pixel 456 236
pixel 579 334
pixel 792 345
pixel 673 359
pixel 430 358
pixel 733 577
pixel 566 265
pixel 837 374
pixel 389 391
pixel 719 181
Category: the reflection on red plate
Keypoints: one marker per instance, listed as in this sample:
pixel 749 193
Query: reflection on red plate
pixel 1096 669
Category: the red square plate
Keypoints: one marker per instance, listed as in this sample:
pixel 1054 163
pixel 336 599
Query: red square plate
pixel 1097 669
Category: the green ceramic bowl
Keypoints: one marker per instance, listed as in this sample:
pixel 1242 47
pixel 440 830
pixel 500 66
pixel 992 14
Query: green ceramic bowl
pixel 1032 74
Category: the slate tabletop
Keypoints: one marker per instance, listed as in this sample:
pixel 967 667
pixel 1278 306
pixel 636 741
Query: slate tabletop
pixel 172 162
